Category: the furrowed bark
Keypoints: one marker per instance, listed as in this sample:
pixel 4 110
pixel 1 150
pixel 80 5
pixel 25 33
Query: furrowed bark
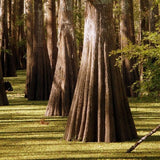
pixel 99 110
pixel 66 68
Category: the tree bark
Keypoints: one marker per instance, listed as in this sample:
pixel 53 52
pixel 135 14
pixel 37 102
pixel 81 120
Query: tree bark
pixel 66 68
pixel 1 2
pixel 3 97
pixel 99 110
pixel 14 37
pixel 21 36
pixel 7 61
pixel 52 34
pixel 144 6
pixel 143 139
pixel 40 71
pixel 154 16
pixel 127 35
pixel 29 43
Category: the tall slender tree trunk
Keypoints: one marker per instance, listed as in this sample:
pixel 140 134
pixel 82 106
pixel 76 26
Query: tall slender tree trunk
pixel 1 5
pixel 66 68
pixel 8 65
pixel 3 97
pixel 5 40
pixel 144 26
pixel 116 16
pixel 14 38
pixel 154 16
pixel 99 110
pixel 52 34
pixel 29 43
pixel 144 6
pixel 21 36
pixel 127 34
pixel 40 72
pixel 10 19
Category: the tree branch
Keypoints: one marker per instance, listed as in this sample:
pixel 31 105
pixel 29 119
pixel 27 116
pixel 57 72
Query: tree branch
pixel 142 139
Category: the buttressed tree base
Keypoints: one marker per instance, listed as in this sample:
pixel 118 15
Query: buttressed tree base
pixel 65 76
pixel 100 111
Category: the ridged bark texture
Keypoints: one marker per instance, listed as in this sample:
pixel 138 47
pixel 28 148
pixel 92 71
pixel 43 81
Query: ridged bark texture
pixel 99 110
pixel 3 97
pixel 40 72
pixel 21 36
pixel 66 68
pixel 7 59
pixel 29 42
pixel 1 23
pixel 51 34
pixel 127 34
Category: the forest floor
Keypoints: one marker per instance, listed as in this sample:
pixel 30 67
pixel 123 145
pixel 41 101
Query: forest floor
pixel 24 135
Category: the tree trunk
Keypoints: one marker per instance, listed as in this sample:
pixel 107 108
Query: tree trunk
pixel 144 27
pixel 66 68
pixel 116 17
pixel 99 110
pixel 143 139
pixel 144 6
pixel 21 37
pixel 154 16
pixel 1 2
pixel 8 65
pixel 14 37
pixel 10 18
pixel 3 97
pixel 40 71
pixel 127 34
pixel 29 42
pixel 52 34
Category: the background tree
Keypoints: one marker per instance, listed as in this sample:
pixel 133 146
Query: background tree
pixel 39 74
pixel 20 35
pixel 154 15
pixel 66 68
pixel 29 42
pixel 14 37
pixel 144 7
pixel 1 2
pixel 8 65
pixel 99 110
pixel 127 35
pixel 3 97
pixel 51 33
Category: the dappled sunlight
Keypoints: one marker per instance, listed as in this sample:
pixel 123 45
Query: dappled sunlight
pixel 23 136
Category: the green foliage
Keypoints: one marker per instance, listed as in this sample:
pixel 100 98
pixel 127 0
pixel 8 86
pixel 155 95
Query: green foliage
pixel 148 55
pixel 20 20
pixel 7 51
pixel 21 43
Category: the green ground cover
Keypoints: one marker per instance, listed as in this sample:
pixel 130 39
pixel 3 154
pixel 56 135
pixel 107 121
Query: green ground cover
pixel 22 136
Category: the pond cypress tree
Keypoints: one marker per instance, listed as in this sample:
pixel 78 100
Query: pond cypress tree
pixel 127 34
pixel 66 68
pixel 100 109
pixel 39 77
pixel 3 97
